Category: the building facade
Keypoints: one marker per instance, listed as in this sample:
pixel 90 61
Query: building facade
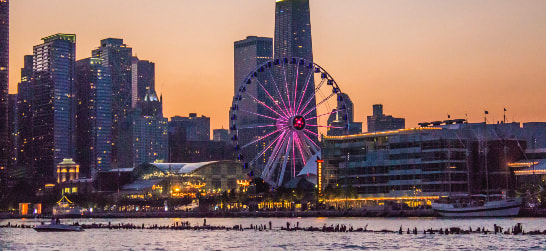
pixel 249 53
pixel 4 90
pixel 13 136
pixel 193 128
pixel 118 57
pixel 94 116
pixel 143 80
pixel 24 115
pixel 293 29
pixel 149 138
pixel 220 135
pixel 53 106
pixel 335 119
pixel 425 161
pixel 380 122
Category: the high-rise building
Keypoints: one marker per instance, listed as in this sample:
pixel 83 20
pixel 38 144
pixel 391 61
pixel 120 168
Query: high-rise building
pixel 381 122
pixel 4 90
pixel 336 120
pixel 148 137
pixel 118 57
pixel 151 105
pixel 194 128
pixel 220 135
pixel 13 131
pixel 94 116
pixel 53 106
pixel 24 115
pixel 293 29
pixel 249 53
pixel 293 39
pixel 143 81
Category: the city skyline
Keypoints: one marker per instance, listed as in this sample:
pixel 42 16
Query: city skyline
pixel 424 59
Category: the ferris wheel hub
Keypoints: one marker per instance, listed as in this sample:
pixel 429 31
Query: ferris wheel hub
pixel 297 123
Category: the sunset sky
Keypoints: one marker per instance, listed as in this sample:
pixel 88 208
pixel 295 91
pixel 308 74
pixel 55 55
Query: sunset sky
pixel 421 59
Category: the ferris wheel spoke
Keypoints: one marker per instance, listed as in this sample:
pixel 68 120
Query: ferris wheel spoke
pixel 305 89
pixel 257 114
pixel 253 127
pixel 334 111
pixel 274 158
pixel 320 103
pixel 293 156
pixel 278 91
pixel 298 145
pixel 266 106
pixel 313 144
pixel 286 87
pixel 301 137
pixel 272 99
pixel 265 150
pixel 262 138
pixel 285 161
pixel 296 86
pixel 336 127
pixel 311 132
pixel 312 96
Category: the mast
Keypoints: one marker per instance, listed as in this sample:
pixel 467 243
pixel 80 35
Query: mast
pixel 485 154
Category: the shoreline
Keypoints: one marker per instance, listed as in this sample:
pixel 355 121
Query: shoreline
pixel 263 214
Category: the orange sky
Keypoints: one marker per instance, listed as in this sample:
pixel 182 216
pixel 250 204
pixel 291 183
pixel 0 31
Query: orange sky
pixel 422 59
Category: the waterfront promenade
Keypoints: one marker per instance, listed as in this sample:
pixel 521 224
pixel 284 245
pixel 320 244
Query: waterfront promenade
pixel 264 214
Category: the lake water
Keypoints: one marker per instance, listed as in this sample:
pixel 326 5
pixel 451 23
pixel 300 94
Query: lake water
pixel 104 239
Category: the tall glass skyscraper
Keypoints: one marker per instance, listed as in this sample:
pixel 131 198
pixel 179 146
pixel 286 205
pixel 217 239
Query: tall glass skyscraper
pixel 53 106
pixel 293 29
pixel 293 39
pixel 248 54
pixel 24 115
pixel 94 116
pixel 4 89
pixel 143 80
pixel 118 57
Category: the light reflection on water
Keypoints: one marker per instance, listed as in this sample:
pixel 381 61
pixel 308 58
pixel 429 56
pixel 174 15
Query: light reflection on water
pixel 104 239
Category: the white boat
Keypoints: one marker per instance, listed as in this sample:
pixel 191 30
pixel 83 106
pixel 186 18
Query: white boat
pixel 58 228
pixel 478 206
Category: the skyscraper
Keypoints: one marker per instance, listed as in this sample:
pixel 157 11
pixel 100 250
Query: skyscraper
pixel 194 128
pixel 293 39
pixel 381 122
pixel 4 89
pixel 53 106
pixel 248 54
pixel 336 120
pixel 145 139
pixel 24 115
pixel 143 81
pixel 293 29
pixel 13 131
pixel 118 57
pixel 94 116
pixel 220 135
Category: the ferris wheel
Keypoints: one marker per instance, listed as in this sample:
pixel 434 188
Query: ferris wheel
pixel 279 112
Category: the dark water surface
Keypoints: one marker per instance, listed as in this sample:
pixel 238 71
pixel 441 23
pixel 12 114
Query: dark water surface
pixel 276 239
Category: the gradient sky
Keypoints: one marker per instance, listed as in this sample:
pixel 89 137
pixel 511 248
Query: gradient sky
pixel 422 59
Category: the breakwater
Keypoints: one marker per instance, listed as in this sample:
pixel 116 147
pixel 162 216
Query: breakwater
pixel 516 229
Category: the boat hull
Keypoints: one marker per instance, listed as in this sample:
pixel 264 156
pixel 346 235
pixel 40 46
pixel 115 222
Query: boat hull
pixel 58 228
pixel 493 209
